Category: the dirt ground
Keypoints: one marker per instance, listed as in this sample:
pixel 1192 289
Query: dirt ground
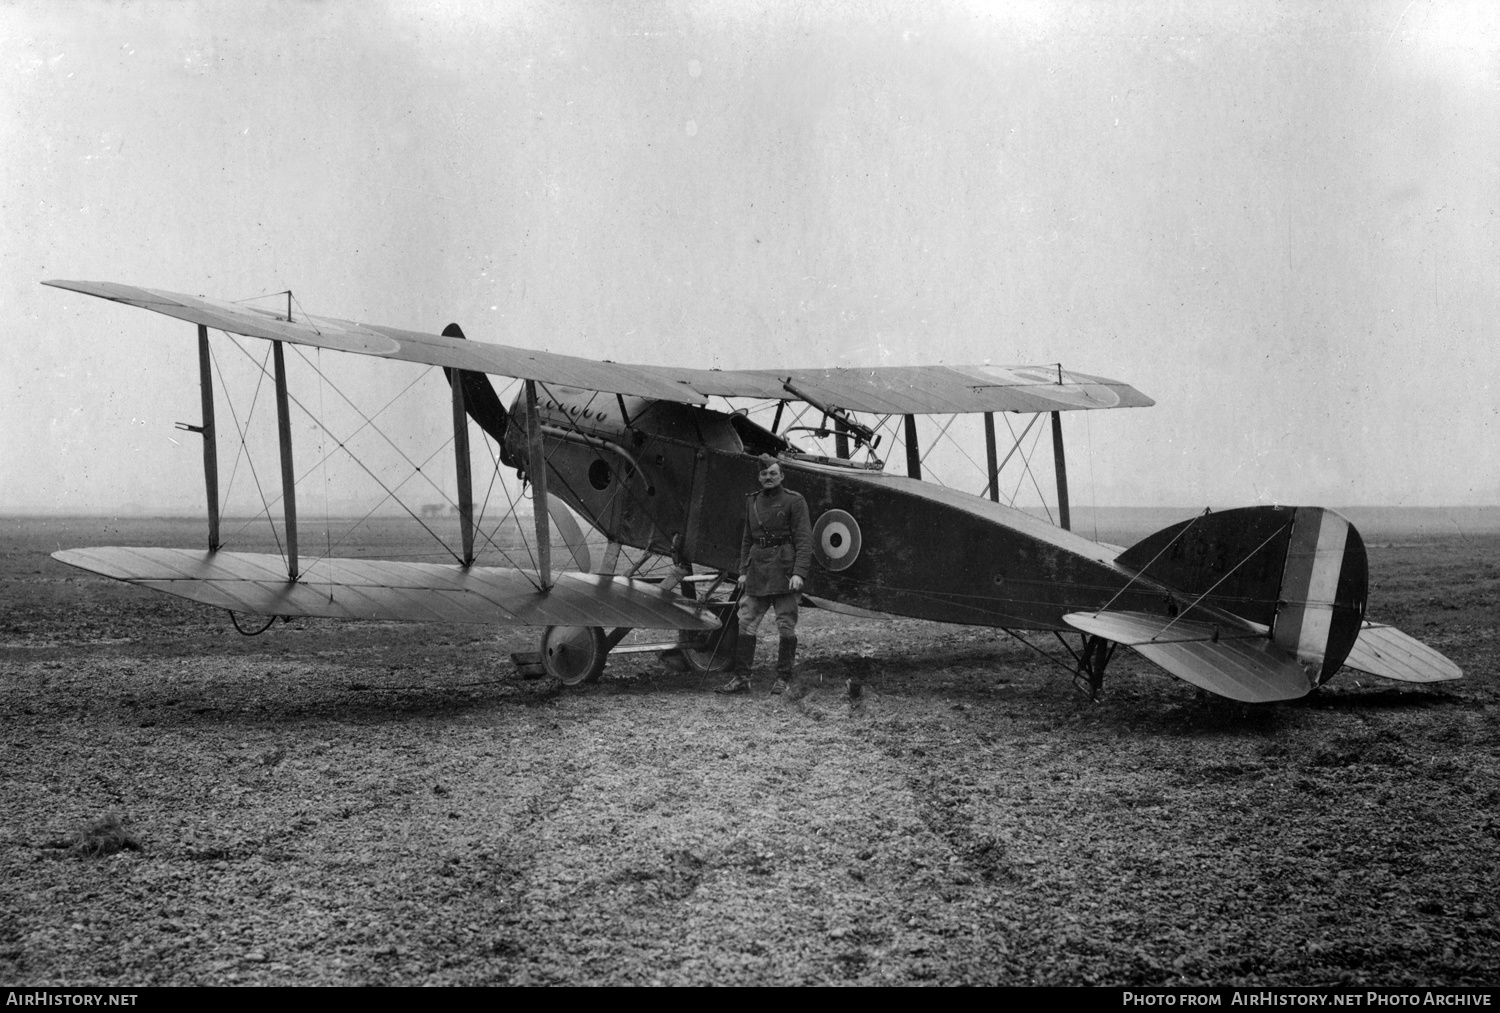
pixel 372 803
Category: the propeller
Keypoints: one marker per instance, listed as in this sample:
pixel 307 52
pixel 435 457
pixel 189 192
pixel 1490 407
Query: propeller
pixel 572 535
pixel 481 401
pixel 484 407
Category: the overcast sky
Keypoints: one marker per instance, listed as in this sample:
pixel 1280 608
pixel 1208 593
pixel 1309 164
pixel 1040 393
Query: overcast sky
pixel 1276 219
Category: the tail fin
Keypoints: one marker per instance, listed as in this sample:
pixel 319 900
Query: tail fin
pixel 1300 571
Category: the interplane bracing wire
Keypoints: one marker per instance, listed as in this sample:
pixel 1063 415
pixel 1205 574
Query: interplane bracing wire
pixel 494 473
pixel 308 471
pixel 245 451
pixel 796 419
pixel 500 395
pixel 1015 448
pixel 956 444
pixel 937 439
pixel 1026 461
pixel 1088 425
pixel 960 447
pixel 366 424
pixel 327 518
pixel 417 469
pixel 891 431
pixel 509 514
pixel 390 493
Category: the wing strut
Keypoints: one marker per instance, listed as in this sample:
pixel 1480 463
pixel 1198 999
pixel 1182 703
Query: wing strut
pixel 913 452
pixel 536 469
pixel 288 476
pixel 989 457
pixel 210 446
pixel 210 443
pixel 465 482
pixel 1062 471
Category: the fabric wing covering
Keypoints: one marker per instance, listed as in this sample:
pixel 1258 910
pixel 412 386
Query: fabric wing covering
pixel 1387 652
pixel 257 584
pixel 903 390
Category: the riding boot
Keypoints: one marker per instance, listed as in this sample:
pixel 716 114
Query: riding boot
pixel 744 662
pixel 786 664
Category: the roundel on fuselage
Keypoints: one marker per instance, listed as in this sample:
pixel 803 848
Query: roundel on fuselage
pixel 836 539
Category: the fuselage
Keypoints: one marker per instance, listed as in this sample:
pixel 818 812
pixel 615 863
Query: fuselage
pixel 673 478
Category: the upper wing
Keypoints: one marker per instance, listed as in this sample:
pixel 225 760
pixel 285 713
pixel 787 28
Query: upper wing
pixel 920 390
pixel 899 390
pixel 257 584
pixel 393 343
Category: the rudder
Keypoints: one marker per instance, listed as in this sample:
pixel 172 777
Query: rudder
pixel 1300 571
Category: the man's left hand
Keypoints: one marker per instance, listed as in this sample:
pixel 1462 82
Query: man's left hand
pixel 795 583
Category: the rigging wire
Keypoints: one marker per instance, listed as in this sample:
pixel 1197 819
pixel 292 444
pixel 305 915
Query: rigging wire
pixel 1088 425
pixel 495 472
pixel 245 449
pixel 417 468
pixel 1026 462
pixel 327 519
pixel 1142 571
pixel 1226 576
pixel 390 494
pixel 510 514
pixel 938 438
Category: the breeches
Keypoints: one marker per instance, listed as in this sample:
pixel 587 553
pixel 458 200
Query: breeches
pixel 753 608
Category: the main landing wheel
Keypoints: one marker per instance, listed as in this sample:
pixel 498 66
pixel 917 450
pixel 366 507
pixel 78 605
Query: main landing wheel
pixel 574 654
pixel 714 651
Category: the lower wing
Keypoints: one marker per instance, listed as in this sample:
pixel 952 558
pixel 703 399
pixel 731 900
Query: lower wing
pixel 256 583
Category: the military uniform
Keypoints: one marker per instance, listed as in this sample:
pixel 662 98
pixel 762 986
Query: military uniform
pixel 776 546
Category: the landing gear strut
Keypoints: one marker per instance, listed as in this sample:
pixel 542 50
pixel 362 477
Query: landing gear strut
pixel 1091 664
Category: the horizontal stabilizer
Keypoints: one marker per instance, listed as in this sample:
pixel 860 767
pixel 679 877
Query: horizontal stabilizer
pixel 1237 663
pixel 378 589
pixel 1133 628
pixel 1387 652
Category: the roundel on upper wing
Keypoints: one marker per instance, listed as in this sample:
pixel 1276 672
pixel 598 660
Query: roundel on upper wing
pixel 836 539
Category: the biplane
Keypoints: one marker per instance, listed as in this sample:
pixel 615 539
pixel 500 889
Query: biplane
pixel 1256 604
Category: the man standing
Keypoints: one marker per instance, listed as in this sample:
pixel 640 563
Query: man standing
pixel 775 554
